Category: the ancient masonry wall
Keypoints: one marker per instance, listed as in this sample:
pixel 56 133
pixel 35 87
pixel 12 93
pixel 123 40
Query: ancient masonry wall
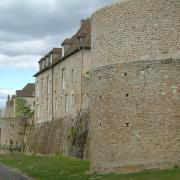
pixel 12 132
pixel 134 88
pixel 67 136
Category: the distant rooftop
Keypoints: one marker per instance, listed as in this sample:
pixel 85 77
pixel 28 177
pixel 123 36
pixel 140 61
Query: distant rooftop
pixel 27 91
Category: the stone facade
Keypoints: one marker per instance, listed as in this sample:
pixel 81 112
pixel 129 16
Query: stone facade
pixel 50 99
pixel 61 98
pixel 134 88
pixel 27 93
pixel 67 136
pixel 59 84
pixel 136 30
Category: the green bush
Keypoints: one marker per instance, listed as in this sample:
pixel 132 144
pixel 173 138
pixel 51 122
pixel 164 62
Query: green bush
pixel 22 108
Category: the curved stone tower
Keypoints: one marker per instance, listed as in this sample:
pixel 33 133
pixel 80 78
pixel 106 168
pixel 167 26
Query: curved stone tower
pixel 135 86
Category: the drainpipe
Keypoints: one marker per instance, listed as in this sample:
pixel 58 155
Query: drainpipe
pixel 81 49
pixel 14 104
pixel 52 93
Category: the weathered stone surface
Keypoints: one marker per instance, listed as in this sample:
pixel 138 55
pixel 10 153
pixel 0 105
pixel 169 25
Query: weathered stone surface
pixel 135 86
pixel 12 132
pixel 67 136
pixel 136 30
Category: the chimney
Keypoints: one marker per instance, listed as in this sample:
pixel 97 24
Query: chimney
pixel 83 22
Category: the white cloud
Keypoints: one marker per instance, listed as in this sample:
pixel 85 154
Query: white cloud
pixel 31 28
pixel 3 95
pixel 35 46
pixel 22 61
pixel 5 92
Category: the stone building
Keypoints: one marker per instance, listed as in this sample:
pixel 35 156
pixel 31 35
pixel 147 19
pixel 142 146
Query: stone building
pixel 13 125
pixel 59 82
pixel 134 88
pixel 27 93
pixel 44 86
pixel 60 94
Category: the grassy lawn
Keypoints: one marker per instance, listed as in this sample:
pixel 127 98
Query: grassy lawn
pixel 63 168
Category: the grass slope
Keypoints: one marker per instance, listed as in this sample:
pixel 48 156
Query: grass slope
pixel 63 168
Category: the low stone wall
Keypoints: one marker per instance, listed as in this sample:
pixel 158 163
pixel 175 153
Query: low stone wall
pixel 12 133
pixel 67 136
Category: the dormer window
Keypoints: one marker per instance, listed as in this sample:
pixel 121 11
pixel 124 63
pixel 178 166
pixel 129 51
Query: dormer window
pixel 47 61
pixel 40 65
pixel 65 46
pixel 63 51
pixel 51 58
pixel 63 78
pixel 43 64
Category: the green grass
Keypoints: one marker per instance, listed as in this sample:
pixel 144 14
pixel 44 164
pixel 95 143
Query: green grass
pixel 63 168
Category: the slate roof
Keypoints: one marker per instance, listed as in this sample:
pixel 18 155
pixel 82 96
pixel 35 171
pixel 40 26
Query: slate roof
pixel 85 33
pixel 27 91
pixel 54 50
pixel 74 42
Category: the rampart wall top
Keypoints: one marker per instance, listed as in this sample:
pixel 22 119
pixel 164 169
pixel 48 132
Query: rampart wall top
pixel 136 30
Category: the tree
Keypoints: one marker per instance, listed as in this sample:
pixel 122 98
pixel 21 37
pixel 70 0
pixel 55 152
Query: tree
pixel 22 109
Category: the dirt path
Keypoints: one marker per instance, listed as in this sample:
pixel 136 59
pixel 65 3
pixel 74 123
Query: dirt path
pixel 7 174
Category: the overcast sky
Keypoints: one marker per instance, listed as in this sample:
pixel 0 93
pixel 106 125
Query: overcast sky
pixel 31 28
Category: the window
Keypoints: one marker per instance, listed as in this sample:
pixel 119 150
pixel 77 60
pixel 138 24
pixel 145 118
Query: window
pixel 56 104
pixel 51 58
pixel 48 85
pixel 48 105
pixel 38 111
pixel 37 88
pixel 72 99
pixel 55 82
pixel 43 64
pixel 42 87
pixel 40 65
pixel 66 103
pixel 63 79
pixel 47 61
pixel 72 75
pixel 62 50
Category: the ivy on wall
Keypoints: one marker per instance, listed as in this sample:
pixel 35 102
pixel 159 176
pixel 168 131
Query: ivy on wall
pixel 22 109
pixel 77 135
